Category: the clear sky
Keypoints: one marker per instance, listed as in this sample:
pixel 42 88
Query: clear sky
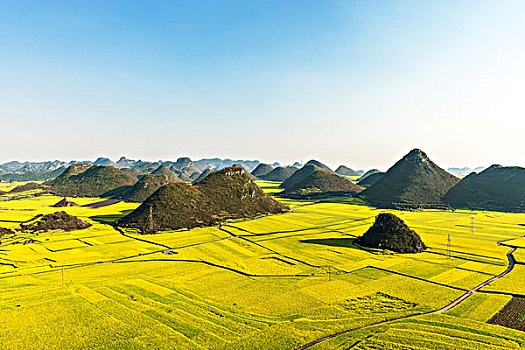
pixel 359 83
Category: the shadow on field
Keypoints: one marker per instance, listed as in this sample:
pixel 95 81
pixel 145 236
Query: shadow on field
pixel 15 221
pixel 110 218
pixel 333 242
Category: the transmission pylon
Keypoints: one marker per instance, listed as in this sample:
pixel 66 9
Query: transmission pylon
pixel 449 253
pixel 151 219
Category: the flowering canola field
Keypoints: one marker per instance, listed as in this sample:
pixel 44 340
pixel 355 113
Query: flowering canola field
pixel 277 282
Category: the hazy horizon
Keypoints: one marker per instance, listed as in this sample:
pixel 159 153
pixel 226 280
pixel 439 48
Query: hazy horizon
pixel 303 161
pixel 343 82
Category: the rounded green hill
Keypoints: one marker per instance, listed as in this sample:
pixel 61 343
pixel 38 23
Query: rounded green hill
pixel 391 233
pixel 414 181
pixel 93 182
pixel 222 195
pixel 311 181
pixel 279 174
pixel 496 188
pixel 261 170
pixel 55 221
pixel 164 170
pixel 144 188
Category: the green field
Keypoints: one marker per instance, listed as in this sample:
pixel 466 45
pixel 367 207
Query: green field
pixel 277 282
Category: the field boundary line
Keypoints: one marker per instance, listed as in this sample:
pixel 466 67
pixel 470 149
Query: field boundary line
pixel 453 304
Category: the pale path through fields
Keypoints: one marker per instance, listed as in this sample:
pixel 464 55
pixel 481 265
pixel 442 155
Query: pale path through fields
pixel 455 303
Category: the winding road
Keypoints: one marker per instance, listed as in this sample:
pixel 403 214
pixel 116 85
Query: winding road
pixel 446 308
pixel 453 304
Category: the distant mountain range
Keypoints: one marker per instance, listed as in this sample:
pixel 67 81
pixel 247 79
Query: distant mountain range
pixel 465 171
pixel 413 182
pixel 184 167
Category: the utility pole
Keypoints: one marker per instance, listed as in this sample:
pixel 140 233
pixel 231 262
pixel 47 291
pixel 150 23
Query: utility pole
pixel 43 210
pixel 151 219
pixel 329 273
pixel 472 227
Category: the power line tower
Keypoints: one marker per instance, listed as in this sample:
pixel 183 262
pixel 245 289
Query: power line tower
pixel 151 219
pixel 449 253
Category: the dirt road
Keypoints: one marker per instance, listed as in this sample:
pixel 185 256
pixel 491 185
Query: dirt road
pixel 453 304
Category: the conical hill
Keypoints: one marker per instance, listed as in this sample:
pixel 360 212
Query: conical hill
pixel 93 182
pixel 65 203
pixel 318 164
pixel 311 180
pixel 205 173
pixel 279 174
pixel 144 188
pixel 225 194
pixel 164 170
pixel 414 181
pixel 346 171
pixel 496 188
pixel 262 169
pixel 390 232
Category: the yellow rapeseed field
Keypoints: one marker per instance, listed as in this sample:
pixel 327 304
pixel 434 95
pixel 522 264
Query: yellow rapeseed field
pixel 277 282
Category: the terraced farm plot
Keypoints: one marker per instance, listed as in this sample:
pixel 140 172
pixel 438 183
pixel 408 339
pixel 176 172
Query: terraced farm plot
pixel 481 307
pixel 513 283
pixel 512 315
pixel 279 282
pixel 430 332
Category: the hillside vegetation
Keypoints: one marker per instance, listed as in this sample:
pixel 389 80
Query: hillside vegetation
pixel 93 182
pixel 496 188
pixel 72 170
pixel 143 188
pixel 391 233
pixel 64 203
pixel 369 172
pixel 133 172
pixel 318 164
pixel 56 221
pixel 346 171
pixel 185 169
pixel 370 179
pixel 27 187
pixel 205 173
pixel 279 174
pixel 225 194
pixel 311 180
pixel 262 169
pixel 414 181
pixel 164 170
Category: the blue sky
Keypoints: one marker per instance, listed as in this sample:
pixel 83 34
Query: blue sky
pixel 357 83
